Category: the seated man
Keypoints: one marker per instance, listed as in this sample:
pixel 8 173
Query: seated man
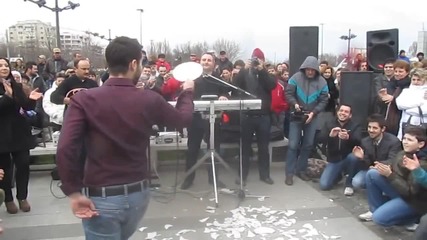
pixel 379 146
pixel 341 135
pixel 394 197
pixel 420 176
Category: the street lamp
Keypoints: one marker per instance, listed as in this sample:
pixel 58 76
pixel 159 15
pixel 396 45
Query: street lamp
pixel 140 10
pixel 57 10
pixel 321 46
pixel 348 39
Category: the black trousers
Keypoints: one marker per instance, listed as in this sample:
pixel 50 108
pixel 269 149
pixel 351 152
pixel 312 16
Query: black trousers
pixel 260 125
pixel 421 232
pixel 20 160
pixel 198 131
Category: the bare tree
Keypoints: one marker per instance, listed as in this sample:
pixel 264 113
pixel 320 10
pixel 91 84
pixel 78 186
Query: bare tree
pixel 93 50
pixel 232 48
pixel 162 47
pixel 332 59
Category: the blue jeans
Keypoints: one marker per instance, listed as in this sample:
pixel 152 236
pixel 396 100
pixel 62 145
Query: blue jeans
pixel 334 170
pixel 301 139
pixel 359 180
pixel 385 203
pixel 118 218
pixel 260 125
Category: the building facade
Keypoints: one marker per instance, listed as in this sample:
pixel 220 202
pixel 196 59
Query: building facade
pixel 74 41
pixel 422 42
pixel 32 33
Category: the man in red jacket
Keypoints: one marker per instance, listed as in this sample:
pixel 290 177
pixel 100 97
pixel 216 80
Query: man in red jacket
pixel 161 62
pixel 279 105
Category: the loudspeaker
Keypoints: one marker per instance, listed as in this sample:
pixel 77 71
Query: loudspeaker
pixel 357 91
pixel 303 42
pixel 381 45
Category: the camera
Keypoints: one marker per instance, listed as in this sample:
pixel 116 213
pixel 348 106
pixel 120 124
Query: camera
pixel 254 62
pixel 299 116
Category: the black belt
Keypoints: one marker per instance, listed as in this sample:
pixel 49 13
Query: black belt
pixel 116 190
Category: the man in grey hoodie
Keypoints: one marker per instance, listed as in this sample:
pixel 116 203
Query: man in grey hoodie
pixel 307 94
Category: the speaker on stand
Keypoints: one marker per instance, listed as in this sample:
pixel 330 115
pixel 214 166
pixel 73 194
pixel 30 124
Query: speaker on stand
pixel 303 42
pixel 357 91
pixel 380 46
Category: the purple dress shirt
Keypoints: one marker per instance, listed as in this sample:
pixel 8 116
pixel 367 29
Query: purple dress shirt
pixel 113 123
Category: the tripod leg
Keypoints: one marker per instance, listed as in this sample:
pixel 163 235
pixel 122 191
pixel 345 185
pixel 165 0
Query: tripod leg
pixel 222 161
pixel 212 153
pixel 197 165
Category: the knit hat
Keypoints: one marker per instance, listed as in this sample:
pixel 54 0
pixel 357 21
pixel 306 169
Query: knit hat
pixel 257 53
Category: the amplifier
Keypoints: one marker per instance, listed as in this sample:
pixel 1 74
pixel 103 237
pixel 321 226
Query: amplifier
pixel 168 137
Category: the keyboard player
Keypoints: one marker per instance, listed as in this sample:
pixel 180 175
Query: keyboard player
pixel 200 127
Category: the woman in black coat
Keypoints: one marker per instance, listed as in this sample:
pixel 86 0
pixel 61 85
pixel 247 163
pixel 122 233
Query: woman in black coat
pixel 16 139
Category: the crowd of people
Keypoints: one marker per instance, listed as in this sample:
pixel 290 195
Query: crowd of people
pixel 390 162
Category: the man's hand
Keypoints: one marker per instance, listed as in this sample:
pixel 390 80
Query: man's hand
pixel 297 107
pixel 411 164
pixel 35 95
pixel 222 98
pixel 358 152
pixel 343 134
pixel 387 98
pixel 383 169
pixel 334 132
pixel 67 100
pixel 260 65
pixel 310 118
pixel 82 207
pixel 188 85
pixel 1 174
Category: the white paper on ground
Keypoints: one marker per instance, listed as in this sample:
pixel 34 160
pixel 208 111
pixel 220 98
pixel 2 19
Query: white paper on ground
pixel 151 235
pixel 167 226
pixel 141 229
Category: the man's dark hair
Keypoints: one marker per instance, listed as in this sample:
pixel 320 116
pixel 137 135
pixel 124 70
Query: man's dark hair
pixel 420 54
pixel 76 62
pixel 377 118
pixel 418 132
pixel 324 62
pixel 29 65
pixel 345 105
pixel 120 53
pixel 146 66
pixel 213 56
pixel 390 61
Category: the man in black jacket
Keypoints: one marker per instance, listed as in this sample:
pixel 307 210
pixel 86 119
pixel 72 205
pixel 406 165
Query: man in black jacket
pixel 199 126
pixel 258 82
pixel 73 84
pixel 341 135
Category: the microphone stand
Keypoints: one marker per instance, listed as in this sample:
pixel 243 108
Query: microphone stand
pixel 231 86
pixel 241 191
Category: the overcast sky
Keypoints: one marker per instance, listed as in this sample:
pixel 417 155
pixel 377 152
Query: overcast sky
pixel 264 24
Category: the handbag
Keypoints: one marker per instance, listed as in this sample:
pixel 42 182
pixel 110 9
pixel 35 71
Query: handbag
pixel 408 123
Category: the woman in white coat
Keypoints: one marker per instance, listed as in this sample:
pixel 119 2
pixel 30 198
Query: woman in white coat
pixel 412 99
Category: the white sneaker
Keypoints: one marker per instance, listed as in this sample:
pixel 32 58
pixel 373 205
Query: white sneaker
pixel 348 191
pixel 367 217
pixel 411 227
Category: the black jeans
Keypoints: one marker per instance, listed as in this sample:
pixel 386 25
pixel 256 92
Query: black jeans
pixel 198 131
pixel 260 125
pixel 20 160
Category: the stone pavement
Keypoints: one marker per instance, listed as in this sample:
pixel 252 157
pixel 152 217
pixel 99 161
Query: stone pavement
pixel 297 212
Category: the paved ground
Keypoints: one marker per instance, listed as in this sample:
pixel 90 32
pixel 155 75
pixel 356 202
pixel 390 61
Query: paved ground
pixel 297 212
